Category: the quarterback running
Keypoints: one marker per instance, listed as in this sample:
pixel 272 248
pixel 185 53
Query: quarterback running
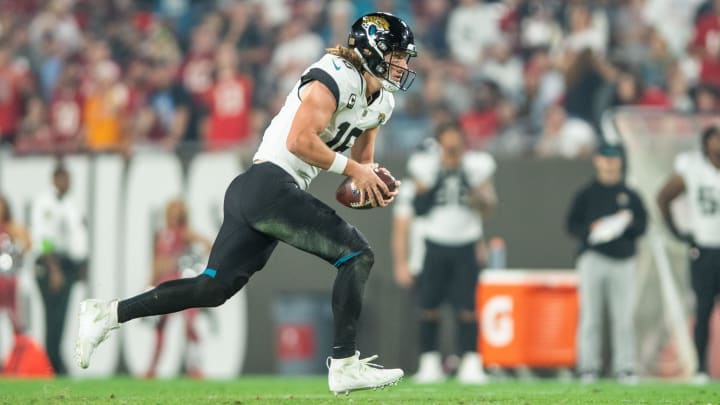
pixel 338 104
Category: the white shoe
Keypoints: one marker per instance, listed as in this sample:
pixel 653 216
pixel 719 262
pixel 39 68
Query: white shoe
pixel 430 369
pixel 700 379
pixel 589 377
pixel 628 378
pixel 352 373
pixel 471 370
pixel 96 319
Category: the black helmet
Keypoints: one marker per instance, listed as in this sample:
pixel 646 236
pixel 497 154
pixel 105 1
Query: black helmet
pixel 375 35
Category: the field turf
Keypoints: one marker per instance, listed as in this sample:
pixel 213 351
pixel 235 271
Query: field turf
pixel 313 390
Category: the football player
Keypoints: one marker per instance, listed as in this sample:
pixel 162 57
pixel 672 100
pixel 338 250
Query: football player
pixel 338 104
pixel 696 174
pixel 453 190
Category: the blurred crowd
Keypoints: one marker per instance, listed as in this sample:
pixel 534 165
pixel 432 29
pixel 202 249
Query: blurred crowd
pixel 523 77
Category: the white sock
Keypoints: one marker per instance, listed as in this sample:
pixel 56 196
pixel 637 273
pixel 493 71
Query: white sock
pixel 114 314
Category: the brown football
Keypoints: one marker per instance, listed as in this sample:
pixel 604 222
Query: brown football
pixel 348 195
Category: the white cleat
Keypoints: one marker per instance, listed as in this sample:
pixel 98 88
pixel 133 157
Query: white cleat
pixel 96 319
pixel 430 370
pixel 471 370
pixel 352 373
pixel 700 378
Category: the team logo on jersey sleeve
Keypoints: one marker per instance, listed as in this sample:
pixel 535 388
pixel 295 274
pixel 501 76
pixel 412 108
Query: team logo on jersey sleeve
pixel 381 118
pixel 351 101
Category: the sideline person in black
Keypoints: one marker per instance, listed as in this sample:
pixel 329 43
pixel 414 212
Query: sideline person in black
pixel 607 217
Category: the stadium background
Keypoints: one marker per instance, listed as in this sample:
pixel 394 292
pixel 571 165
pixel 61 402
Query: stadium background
pixel 515 73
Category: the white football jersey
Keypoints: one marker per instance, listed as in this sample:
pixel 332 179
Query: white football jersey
pixel 351 118
pixel 702 186
pixel 403 207
pixel 451 221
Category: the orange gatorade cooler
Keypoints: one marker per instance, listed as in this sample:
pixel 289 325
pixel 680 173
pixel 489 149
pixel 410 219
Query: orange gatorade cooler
pixel 527 317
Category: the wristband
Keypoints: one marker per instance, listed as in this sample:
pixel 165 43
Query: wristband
pixel 338 165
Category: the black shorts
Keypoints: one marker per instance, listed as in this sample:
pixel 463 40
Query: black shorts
pixel 448 273
pixel 264 205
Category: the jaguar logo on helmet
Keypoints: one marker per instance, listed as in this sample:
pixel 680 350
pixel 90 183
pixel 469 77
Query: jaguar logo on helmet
pixel 380 40
pixel 372 22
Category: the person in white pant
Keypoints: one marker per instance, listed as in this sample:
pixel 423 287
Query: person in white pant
pixel 451 189
pixel 607 217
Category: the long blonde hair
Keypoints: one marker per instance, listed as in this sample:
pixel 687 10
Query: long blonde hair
pixel 347 54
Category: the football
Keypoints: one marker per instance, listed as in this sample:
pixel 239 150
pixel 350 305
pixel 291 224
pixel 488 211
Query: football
pixel 348 195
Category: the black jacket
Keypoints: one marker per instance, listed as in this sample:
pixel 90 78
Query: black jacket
pixel 596 200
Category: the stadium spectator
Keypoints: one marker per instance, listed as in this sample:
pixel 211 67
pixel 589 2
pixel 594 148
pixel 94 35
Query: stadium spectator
pixel 706 99
pixel 630 90
pixel 453 190
pixel 629 28
pixel 57 22
pixel 432 24
pixel 104 110
pixel 15 242
pixel 481 121
pixel 678 89
pixel 16 85
pixel 61 242
pixel 607 217
pixel 164 120
pixel 586 74
pixel 538 25
pixel 472 25
pixel 587 29
pixel 248 30
pixel 230 103
pixel 268 203
pixel 695 175
pixel 33 134
pixel 340 13
pixel 564 136
pixel 514 137
pixel 66 109
pixel 543 33
pixel 287 63
pixel 196 70
pixel 654 67
pixel 543 85
pixel 705 45
pixel 407 129
pixel 503 67
pixel 172 241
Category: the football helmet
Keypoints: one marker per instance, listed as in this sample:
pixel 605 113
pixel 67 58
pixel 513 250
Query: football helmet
pixel 378 38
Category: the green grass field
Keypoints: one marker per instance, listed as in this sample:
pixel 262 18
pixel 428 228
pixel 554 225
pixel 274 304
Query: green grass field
pixel 313 390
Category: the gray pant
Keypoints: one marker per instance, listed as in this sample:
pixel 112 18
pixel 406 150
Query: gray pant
pixel 606 281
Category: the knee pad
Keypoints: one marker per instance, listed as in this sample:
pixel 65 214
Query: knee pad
pixel 367 258
pixel 360 257
pixel 208 292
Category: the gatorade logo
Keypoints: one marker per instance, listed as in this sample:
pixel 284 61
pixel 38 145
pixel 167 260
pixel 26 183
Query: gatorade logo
pixel 497 322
